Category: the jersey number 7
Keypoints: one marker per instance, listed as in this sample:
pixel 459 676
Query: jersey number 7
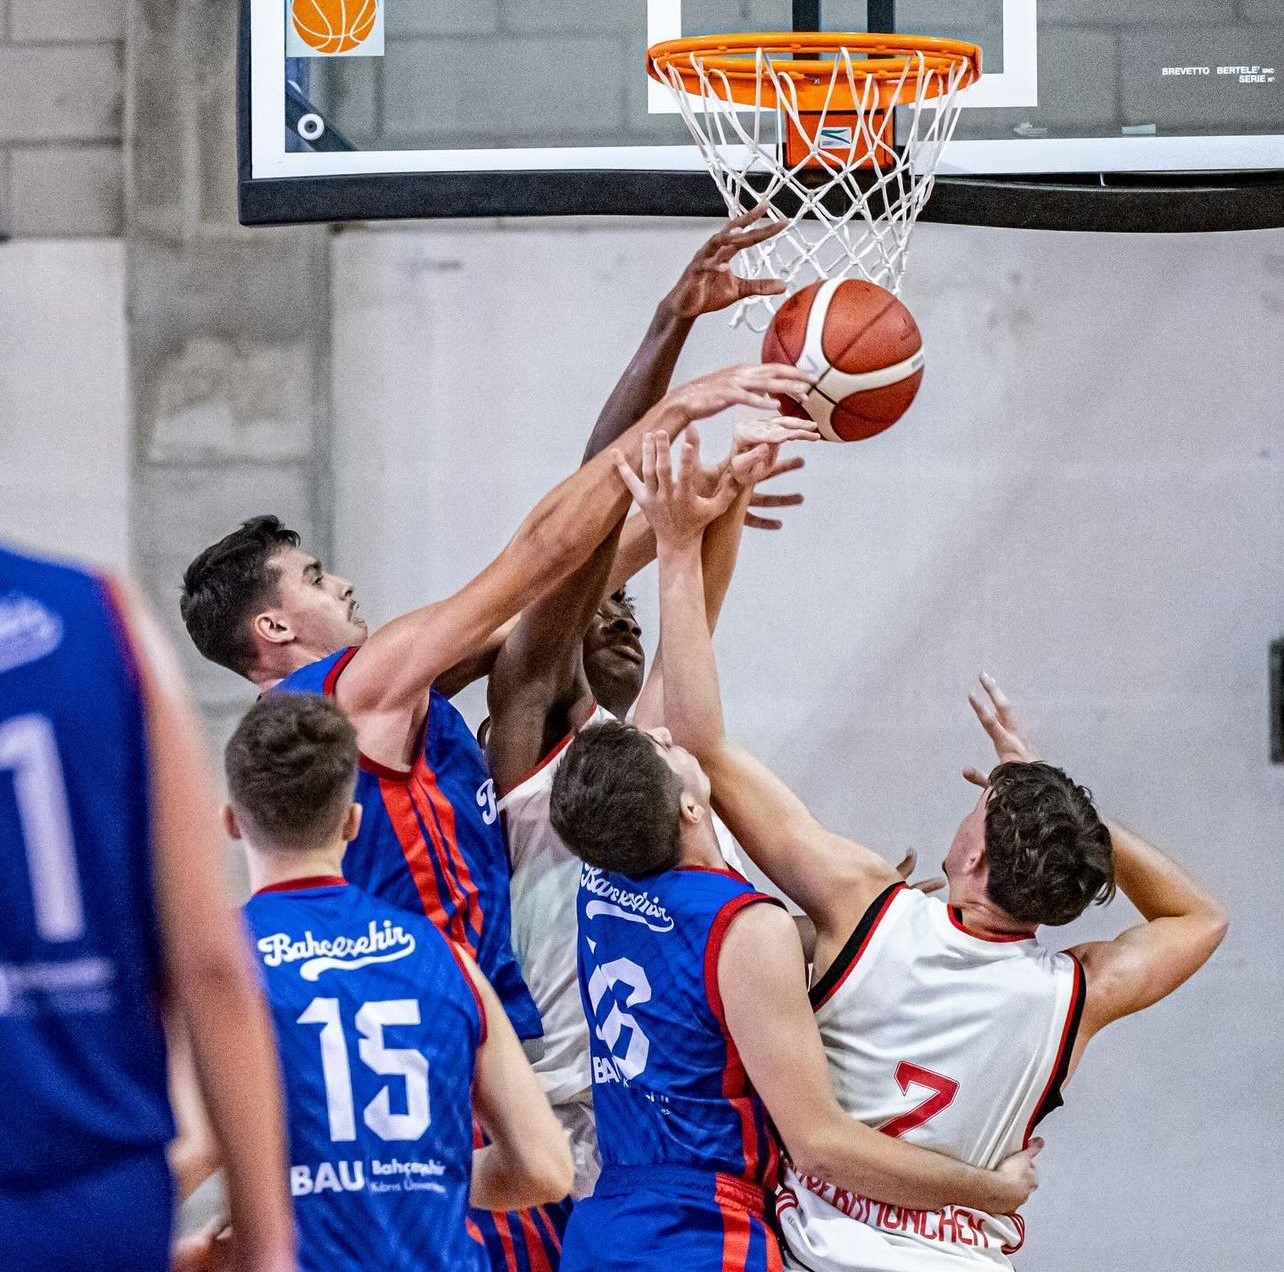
pixel 943 1091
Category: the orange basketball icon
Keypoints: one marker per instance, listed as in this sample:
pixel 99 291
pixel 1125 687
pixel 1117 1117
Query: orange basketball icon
pixel 334 26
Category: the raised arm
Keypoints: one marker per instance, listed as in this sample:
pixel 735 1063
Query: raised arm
pixel 764 1003
pixel 389 677
pixel 1184 922
pixel 528 1159
pixel 209 978
pixel 833 879
pixel 537 682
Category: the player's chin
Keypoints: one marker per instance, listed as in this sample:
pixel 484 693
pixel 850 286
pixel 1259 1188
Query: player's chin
pixel 358 631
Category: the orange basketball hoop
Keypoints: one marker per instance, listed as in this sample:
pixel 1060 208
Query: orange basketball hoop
pixel 843 128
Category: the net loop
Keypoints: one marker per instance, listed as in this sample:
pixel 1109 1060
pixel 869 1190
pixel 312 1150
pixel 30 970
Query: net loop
pixel 841 129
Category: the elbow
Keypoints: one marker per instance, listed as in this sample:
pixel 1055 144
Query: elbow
pixel 812 1154
pixel 1218 924
pixel 553 1176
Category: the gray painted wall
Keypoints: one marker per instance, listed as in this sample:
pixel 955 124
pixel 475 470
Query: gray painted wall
pixel 1087 500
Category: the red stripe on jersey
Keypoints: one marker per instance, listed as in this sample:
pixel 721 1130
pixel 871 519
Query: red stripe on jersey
pixel 891 894
pixel 474 1231
pixel 1064 1047
pixel 336 670
pixel 405 824
pixel 297 885
pixel 472 988
pixel 536 1255
pixel 1020 1241
pixel 438 815
pixel 550 1229
pixel 735 1239
pixel 506 1240
pixel 997 938
pixel 735 1082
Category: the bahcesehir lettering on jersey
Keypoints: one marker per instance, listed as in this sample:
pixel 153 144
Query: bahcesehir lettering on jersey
pixel 953 1225
pixel 622 903
pixel 353 1176
pixel 379 943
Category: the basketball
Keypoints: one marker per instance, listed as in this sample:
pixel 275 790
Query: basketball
pixel 864 349
pixel 334 26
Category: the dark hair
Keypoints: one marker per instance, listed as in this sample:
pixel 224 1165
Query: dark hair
pixel 1048 854
pixel 226 584
pixel 291 768
pixel 616 803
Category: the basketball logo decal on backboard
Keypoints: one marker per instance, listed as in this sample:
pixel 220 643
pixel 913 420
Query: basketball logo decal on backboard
pixel 335 28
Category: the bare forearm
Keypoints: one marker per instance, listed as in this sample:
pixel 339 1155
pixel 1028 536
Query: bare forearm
pixel 856 1157
pixel 500 1182
pixel 644 382
pixel 692 703
pixel 235 1059
pixel 635 552
pixel 719 553
pixel 1153 882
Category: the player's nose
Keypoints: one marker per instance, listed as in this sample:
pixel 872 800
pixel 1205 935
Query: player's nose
pixel 626 623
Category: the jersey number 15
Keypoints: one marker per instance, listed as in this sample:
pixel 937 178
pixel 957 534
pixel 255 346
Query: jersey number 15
pixel 403 1062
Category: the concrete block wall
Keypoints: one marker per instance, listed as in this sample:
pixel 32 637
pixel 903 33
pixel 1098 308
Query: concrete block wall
pixel 62 88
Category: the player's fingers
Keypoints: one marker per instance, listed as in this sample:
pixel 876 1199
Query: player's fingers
pixel 790 465
pixel 976 777
pixel 761 287
pixel 1035 1146
pixel 928 886
pixel 663 463
pixel 985 714
pixel 1002 703
pixel 648 461
pixel 746 218
pixel 754 522
pixel 757 500
pixel 636 487
pixel 905 866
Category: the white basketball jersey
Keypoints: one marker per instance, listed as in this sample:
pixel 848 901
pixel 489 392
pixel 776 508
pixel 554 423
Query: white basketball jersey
pixel 544 888
pixel 950 1040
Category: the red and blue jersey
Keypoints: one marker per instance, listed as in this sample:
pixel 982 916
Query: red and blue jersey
pixel 687 1150
pixel 431 842
pixel 668 1085
pixel 378 1028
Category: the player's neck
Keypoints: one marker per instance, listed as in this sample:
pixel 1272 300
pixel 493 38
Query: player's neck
pixel 270 867
pixel 700 846
pixel 981 916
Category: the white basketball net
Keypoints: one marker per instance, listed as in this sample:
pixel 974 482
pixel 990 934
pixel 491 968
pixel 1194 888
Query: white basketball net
pixel 865 213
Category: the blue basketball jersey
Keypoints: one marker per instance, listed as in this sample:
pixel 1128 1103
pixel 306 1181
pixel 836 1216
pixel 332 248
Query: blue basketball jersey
pixel 668 1085
pixel 378 1028
pixel 431 842
pixel 82 1055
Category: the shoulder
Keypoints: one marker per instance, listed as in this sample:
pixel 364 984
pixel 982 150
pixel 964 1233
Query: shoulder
pixel 317 677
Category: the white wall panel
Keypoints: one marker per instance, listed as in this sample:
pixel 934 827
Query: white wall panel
pixel 64 398
pixel 1087 500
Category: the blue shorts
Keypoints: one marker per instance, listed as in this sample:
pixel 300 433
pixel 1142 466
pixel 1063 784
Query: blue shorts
pixel 666 1219
pixel 524 1241
pixel 116 1219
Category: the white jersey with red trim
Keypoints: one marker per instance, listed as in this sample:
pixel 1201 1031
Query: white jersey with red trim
pixel 950 1040
pixel 545 885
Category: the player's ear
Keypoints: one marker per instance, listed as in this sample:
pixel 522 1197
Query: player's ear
pixel 231 826
pixel 351 823
pixel 272 627
pixel 690 809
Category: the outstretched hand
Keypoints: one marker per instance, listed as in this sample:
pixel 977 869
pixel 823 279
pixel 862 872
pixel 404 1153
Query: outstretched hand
pixel 770 499
pixel 755 445
pixel 680 507
pixel 707 284
pixel 999 721
pixel 753 386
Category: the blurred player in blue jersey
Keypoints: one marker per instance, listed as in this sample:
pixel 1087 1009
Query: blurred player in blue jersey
pixel 430 839
pixel 701 1035
pixel 388 1033
pixel 113 917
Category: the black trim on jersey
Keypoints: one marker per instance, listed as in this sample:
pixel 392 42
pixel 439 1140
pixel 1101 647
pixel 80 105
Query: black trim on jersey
pixel 1052 1100
pixel 851 947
